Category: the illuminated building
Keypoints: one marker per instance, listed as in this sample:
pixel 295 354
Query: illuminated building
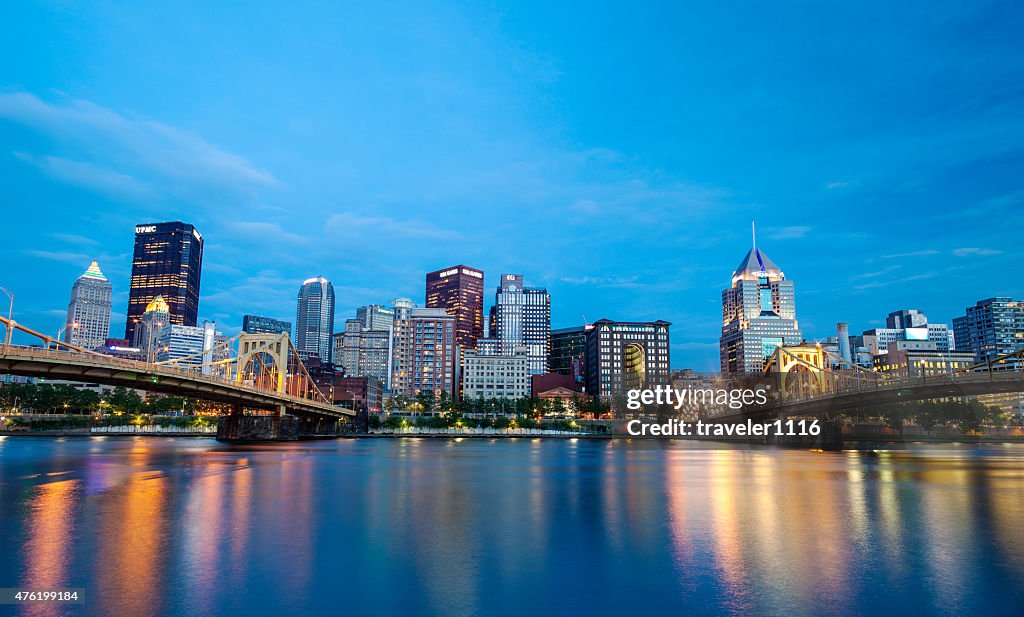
pixel 362 352
pixel 167 262
pixel 460 291
pixel 314 320
pixel 521 317
pixel 424 353
pixel 908 325
pixel 991 328
pixel 505 376
pixel 758 315
pixel 193 345
pixel 626 355
pixel 88 320
pixel 147 331
pixel 256 324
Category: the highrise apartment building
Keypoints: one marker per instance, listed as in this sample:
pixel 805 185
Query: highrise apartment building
pixel 991 328
pixel 424 353
pixel 167 262
pixel 88 319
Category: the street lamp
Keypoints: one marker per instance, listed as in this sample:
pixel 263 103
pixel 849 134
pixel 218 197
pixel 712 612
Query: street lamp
pixel 61 331
pixel 10 317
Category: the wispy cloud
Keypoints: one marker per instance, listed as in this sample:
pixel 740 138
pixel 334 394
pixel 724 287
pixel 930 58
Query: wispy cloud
pixel 352 224
pixel 126 147
pixel 89 176
pixel 921 253
pixel 980 252
pixel 627 282
pixel 787 233
pixel 836 185
pixel 75 239
pixel 61 256
pixel 897 281
pixel 255 231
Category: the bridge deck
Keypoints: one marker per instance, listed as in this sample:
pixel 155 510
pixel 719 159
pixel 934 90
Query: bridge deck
pixel 107 370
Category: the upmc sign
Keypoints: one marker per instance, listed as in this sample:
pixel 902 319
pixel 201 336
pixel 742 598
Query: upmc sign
pixel 145 229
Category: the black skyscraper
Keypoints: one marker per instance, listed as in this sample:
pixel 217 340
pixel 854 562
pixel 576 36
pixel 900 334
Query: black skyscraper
pixel 168 262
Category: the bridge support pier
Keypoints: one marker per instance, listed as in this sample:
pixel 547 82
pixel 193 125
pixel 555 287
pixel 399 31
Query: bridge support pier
pixel 257 428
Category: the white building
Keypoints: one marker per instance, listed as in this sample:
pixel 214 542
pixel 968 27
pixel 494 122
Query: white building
pixel 193 345
pixel 496 376
pixel 88 320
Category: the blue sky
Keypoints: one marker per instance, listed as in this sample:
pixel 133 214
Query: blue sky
pixel 614 153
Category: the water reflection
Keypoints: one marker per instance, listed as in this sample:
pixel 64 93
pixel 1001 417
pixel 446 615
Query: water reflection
pixel 464 527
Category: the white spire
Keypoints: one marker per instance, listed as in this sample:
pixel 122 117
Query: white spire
pixel 753 234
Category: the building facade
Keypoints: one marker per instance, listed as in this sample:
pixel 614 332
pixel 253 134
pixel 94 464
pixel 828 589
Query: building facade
pixel 424 353
pixel 193 345
pixel 375 317
pixel 758 315
pixel 154 319
pixel 504 376
pixel 459 290
pixel 568 347
pixel 257 324
pixel 991 328
pixel 88 321
pixel 626 355
pixel 908 325
pixel 521 317
pixel 360 352
pixel 167 262
pixel 314 319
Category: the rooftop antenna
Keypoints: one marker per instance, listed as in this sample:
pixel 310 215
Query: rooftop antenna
pixel 753 234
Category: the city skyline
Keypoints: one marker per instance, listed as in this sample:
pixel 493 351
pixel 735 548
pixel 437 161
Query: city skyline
pixel 474 136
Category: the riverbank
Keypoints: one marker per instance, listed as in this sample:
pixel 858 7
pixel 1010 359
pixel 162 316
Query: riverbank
pixel 847 439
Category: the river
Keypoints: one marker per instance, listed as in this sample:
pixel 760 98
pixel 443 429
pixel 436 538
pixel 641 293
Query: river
pixel 189 526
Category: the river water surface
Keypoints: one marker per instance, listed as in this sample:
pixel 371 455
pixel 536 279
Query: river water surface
pixel 187 526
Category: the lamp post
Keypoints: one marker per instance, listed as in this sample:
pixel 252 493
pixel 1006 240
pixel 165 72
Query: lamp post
pixel 10 317
pixel 61 331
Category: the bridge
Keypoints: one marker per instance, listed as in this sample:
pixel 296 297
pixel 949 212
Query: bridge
pixel 266 377
pixel 808 384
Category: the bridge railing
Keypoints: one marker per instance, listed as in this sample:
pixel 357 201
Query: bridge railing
pixel 102 361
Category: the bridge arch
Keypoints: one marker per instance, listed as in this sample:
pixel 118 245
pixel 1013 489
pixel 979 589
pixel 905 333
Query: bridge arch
pixel 263 359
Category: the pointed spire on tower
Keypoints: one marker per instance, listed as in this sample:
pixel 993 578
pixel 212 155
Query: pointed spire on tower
pixel 753 234
pixel 94 271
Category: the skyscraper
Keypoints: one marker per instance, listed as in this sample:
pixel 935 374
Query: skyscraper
pixel 424 354
pixel 459 290
pixel 167 262
pixel 314 320
pixel 758 314
pixel 521 317
pixel 991 328
pixel 88 321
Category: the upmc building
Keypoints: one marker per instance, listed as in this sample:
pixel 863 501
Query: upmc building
pixel 167 262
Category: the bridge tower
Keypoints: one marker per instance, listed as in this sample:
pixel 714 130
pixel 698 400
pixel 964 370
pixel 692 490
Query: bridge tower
pixel 263 360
